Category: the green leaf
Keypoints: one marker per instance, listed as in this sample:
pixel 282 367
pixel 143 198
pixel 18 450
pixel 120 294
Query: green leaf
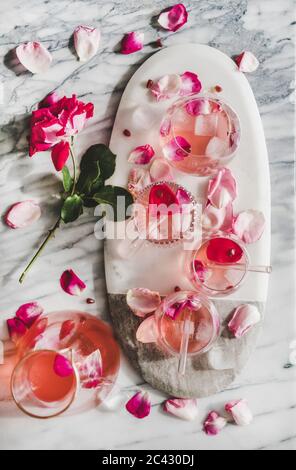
pixel 67 180
pixel 108 195
pixel 89 175
pixel 72 208
pixel 103 155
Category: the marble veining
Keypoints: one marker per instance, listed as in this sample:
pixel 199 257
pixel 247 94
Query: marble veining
pixel 266 28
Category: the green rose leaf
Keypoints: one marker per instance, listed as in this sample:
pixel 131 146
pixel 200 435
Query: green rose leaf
pixel 89 176
pixel 109 195
pixel 105 158
pixel 72 208
pixel 67 180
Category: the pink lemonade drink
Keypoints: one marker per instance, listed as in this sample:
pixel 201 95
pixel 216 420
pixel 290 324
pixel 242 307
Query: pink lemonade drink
pixel 195 308
pixel 219 266
pixel 165 213
pixel 89 348
pixel 199 135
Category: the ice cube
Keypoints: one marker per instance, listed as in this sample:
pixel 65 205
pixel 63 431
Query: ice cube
pixel 206 124
pixel 217 147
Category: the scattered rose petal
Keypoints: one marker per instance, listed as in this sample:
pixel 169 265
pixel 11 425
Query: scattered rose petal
pixel 174 17
pixel 214 219
pixel 214 423
pixel 160 170
pixel 166 87
pixel 66 329
pixel 34 57
pixel 86 42
pixel 49 100
pixel 249 225
pixel 247 62
pixel 28 313
pixel 139 405
pixel 244 317
pixel 132 42
pixel 190 84
pixel 62 366
pixel 138 179
pixel 16 329
pixel 91 370
pixel 224 250
pixel 177 149
pixel 60 154
pixel 141 155
pixel 147 331
pixel 240 412
pixel 71 283
pixel 183 408
pixel 22 214
pixel 142 301
pixel 217 148
pixel 222 189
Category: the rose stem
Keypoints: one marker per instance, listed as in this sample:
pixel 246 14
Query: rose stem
pixel 57 224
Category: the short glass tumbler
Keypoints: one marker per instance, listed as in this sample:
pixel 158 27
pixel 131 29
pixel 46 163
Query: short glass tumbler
pixel 199 135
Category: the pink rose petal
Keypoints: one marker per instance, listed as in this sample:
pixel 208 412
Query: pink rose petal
pixel 139 405
pixel 34 57
pixel 249 225
pixel 62 366
pixel 240 412
pixel 160 170
pixel 132 42
pixel 22 214
pixel 86 42
pixel 147 331
pixel 71 283
pixel 141 155
pixel 222 189
pixel 214 219
pixel 244 317
pixel 177 149
pixel 214 423
pixel 174 17
pixel 173 310
pixel 247 62
pixel 142 301
pixel 91 370
pixel 201 106
pixel 29 313
pixel 201 270
pixel 49 100
pixel 60 154
pixel 66 329
pixel 166 87
pixel 16 329
pixel 190 84
pixel 183 408
pixel 183 196
pixel 217 148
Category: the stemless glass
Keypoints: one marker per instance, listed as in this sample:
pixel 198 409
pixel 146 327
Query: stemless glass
pixel 88 345
pixel 219 266
pixel 199 134
pixel 200 314
pixel 173 219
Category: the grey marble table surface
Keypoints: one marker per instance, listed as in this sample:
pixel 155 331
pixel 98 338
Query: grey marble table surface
pixel 265 28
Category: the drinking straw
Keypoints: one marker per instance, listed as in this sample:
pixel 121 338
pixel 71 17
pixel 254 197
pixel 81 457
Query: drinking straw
pixel 184 343
pixel 241 267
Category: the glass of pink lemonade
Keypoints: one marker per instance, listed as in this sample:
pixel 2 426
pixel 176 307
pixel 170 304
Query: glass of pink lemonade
pixel 219 265
pixel 92 355
pixel 165 213
pixel 189 317
pixel 199 134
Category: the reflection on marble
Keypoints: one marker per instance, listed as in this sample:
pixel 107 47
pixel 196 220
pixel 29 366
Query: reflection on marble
pixel 232 25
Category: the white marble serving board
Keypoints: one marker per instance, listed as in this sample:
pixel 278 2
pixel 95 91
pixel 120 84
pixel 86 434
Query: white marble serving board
pixel 162 268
